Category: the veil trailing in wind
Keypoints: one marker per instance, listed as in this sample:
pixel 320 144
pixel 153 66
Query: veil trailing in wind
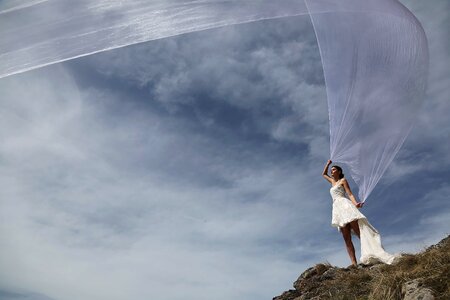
pixel 374 56
pixel 375 61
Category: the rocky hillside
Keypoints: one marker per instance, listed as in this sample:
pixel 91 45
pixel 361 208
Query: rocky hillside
pixel 423 276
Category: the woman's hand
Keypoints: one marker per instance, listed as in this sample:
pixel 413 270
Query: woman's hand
pixel 329 162
pixel 359 204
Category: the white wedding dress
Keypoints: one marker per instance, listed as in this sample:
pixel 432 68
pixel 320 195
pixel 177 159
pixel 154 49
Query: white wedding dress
pixel 344 211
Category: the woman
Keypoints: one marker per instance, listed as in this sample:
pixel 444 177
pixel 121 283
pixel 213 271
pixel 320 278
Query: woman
pixel 348 219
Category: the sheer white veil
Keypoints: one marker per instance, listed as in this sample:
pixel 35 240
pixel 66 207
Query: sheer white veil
pixel 374 56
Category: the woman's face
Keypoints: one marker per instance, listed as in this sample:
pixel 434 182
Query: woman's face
pixel 334 171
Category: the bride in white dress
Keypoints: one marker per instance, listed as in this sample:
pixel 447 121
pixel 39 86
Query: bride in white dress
pixel 349 220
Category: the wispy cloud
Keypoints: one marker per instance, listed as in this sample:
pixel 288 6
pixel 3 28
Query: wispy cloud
pixel 191 166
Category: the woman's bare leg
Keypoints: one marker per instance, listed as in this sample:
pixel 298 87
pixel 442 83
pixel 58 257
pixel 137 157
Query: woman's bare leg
pixel 355 226
pixel 348 243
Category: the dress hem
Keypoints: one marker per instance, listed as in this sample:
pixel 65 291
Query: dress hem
pixel 372 259
pixel 338 226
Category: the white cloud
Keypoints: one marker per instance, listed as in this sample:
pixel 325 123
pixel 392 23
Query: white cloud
pixel 92 202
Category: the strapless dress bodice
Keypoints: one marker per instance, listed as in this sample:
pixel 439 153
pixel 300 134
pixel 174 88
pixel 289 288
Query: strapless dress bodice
pixel 337 191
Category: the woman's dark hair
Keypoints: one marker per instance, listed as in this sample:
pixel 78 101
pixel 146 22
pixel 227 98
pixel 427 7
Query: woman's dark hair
pixel 340 170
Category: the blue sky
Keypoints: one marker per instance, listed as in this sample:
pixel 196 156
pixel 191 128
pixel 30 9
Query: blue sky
pixel 189 168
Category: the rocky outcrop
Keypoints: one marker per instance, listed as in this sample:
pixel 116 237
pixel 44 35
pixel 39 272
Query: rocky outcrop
pixel 412 290
pixel 421 276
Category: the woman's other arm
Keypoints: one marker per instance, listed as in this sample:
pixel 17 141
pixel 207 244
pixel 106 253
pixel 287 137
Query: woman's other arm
pixel 350 194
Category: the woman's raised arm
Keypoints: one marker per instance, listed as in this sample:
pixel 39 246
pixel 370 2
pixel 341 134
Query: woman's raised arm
pixel 325 172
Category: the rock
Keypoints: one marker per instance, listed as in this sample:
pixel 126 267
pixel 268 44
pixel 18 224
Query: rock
pixel 307 296
pixel 308 273
pixel 302 281
pixel 318 269
pixel 375 267
pixel 288 295
pixel 413 291
pixel 304 285
pixel 329 274
pixel 311 278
